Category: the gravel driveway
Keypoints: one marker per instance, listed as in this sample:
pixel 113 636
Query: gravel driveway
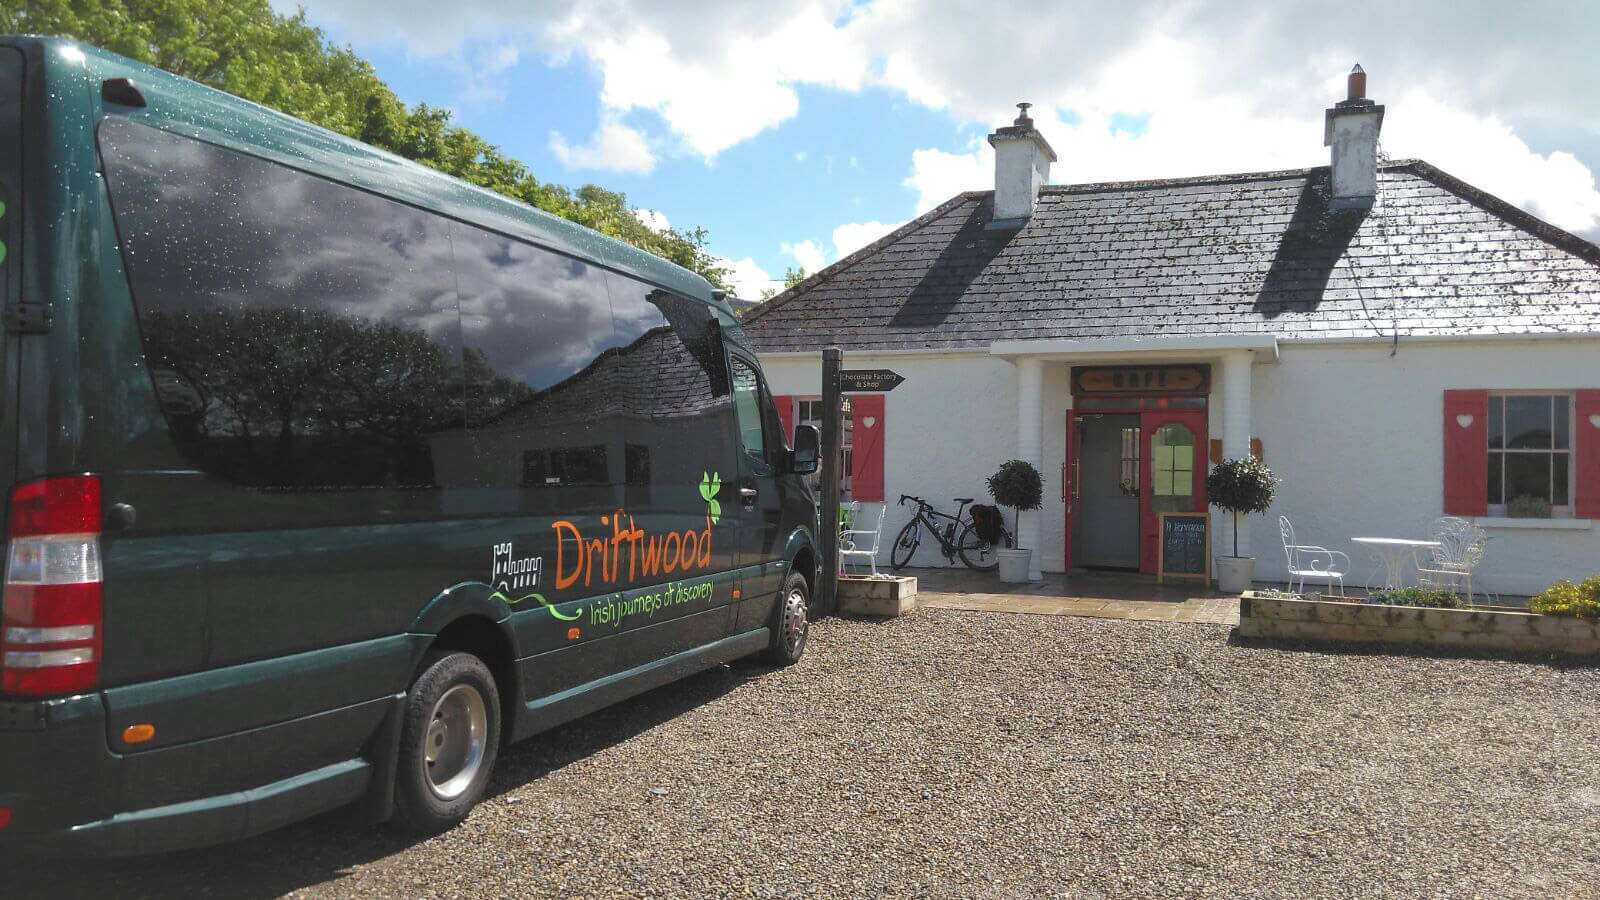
pixel 986 754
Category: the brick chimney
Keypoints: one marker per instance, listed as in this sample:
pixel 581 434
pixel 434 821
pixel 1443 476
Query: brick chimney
pixel 1022 159
pixel 1351 129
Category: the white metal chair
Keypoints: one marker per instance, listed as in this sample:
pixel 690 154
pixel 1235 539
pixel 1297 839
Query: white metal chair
pixel 1459 552
pixel 858 540
pixel 1309 561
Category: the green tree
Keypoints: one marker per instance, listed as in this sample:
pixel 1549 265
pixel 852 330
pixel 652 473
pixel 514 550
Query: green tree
pixel 281 61
pixel 792 276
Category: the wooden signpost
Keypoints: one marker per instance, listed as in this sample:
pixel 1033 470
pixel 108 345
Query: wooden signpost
pixel 1183 542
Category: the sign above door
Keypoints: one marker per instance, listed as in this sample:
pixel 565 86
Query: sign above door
pixel 1183 379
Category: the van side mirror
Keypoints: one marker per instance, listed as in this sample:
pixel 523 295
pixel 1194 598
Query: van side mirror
pixel 807 450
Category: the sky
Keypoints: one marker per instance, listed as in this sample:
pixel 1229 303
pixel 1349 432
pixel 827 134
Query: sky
pixel 797 132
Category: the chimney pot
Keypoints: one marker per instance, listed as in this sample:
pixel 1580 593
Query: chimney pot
pixel 1358 83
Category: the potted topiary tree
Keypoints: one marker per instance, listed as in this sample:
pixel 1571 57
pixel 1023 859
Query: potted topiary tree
pixel 1017 484
pixel 1240 486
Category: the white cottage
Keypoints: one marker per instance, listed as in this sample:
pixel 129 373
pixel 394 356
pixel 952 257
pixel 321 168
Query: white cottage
pixel 1397 345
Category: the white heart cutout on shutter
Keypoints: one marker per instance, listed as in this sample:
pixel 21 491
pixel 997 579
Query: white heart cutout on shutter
pixel 1595 420
pixel 1464 420
pixel 870 421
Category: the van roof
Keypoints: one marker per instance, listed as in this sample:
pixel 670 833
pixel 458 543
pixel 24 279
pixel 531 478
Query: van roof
pixel 185 107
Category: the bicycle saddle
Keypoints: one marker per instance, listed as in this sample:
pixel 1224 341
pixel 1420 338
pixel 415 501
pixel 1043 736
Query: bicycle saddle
pixel 960 499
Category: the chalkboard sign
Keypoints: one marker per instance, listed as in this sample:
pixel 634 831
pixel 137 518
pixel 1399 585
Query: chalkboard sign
pixel 1184 541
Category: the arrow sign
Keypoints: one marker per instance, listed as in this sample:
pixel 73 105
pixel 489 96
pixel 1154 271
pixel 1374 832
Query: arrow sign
pixel 869 380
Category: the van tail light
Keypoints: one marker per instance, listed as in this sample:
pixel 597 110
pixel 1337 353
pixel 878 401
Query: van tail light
pixel 50 615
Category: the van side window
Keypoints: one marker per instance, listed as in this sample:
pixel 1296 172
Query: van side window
pixel 544 417
pixel 300 334
pixel 675 396
pixel 747 403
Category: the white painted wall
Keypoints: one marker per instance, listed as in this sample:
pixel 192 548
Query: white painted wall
pixel 1356 435
pixel 950 426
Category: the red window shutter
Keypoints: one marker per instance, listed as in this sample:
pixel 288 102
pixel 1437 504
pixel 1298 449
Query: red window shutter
pixel 866 464
pixel 1466 453
pixel 1586 452
pixel 785 404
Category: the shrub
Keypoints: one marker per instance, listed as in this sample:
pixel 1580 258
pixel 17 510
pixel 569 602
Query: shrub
pixel 1017 484
pixel 1416 596
pixel 1241 486
pixel 1567 599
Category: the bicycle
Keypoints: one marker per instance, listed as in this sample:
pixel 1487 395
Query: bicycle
pixel 957 536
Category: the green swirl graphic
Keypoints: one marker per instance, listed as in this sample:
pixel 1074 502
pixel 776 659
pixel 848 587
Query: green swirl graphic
pixel 542 602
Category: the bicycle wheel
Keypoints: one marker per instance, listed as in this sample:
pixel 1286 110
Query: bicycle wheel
pixel 905 546
pixel 977 553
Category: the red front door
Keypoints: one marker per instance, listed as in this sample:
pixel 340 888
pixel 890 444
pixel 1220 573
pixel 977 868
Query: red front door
pixel 1172 471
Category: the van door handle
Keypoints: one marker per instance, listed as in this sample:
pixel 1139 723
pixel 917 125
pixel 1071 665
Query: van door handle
pixel 747 495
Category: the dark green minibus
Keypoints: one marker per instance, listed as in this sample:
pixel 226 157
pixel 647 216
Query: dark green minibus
pixel 329 474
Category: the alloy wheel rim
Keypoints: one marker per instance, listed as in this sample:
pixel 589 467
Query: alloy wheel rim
pixel 454 742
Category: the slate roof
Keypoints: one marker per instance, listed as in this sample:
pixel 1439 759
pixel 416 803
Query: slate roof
pixel 1226 255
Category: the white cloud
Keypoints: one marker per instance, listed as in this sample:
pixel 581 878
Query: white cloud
pixel 1227 85
pixel 800 156
pixel 614 147
pixel 808 254
pixel 852 236
pixel 746 279
pixel 654 219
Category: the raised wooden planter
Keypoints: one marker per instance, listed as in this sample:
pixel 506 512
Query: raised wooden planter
pixel 1478 629
pixel 862 596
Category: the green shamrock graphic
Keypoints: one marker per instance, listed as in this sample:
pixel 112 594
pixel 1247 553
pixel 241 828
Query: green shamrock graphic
pixel 710 484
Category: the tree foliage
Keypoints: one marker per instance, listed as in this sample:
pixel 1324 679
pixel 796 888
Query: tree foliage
pixel 246 49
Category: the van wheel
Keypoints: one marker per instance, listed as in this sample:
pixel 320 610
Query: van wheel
pixel 448 743
pixel 790 623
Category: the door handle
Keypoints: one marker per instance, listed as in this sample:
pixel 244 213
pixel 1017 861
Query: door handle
pixel 747 495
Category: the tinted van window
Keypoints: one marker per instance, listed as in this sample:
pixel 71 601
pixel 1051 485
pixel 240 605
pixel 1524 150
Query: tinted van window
pixel 674 396
pixel 301 334
pixel 543 376
pixel 10 166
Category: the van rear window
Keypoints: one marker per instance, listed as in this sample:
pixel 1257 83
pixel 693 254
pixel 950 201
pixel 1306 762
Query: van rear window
pixel 10 168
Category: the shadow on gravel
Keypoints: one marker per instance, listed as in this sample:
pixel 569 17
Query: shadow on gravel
pixel 1560 662
pixel 331 846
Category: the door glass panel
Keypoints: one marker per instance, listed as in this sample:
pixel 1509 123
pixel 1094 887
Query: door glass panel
pixel 747 407
pixel 1172 455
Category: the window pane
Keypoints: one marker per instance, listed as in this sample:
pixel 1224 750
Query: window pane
pixel 747 405
pixel 1496 463
pixel 1528 423
pixel 1563 422
pixel 673 393
pixel 1559 495
pixel 1527 475
pixel 1497 431
pixel 1172 458
pixel 300 334
pixel 537 328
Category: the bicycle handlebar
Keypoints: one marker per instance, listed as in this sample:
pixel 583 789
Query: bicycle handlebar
pixel 905 497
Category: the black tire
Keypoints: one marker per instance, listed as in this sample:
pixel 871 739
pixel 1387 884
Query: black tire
pixel 905 546
pixel 790 622
pixel 977 553
pixel 422 805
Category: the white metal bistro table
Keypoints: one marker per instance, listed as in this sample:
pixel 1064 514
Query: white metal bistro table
pixel 1394 552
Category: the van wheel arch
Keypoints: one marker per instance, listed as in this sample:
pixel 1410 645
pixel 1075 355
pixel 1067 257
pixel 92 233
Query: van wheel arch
pixel 488 641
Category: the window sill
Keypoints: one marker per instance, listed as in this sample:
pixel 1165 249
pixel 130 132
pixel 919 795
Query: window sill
pixel 1550 524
